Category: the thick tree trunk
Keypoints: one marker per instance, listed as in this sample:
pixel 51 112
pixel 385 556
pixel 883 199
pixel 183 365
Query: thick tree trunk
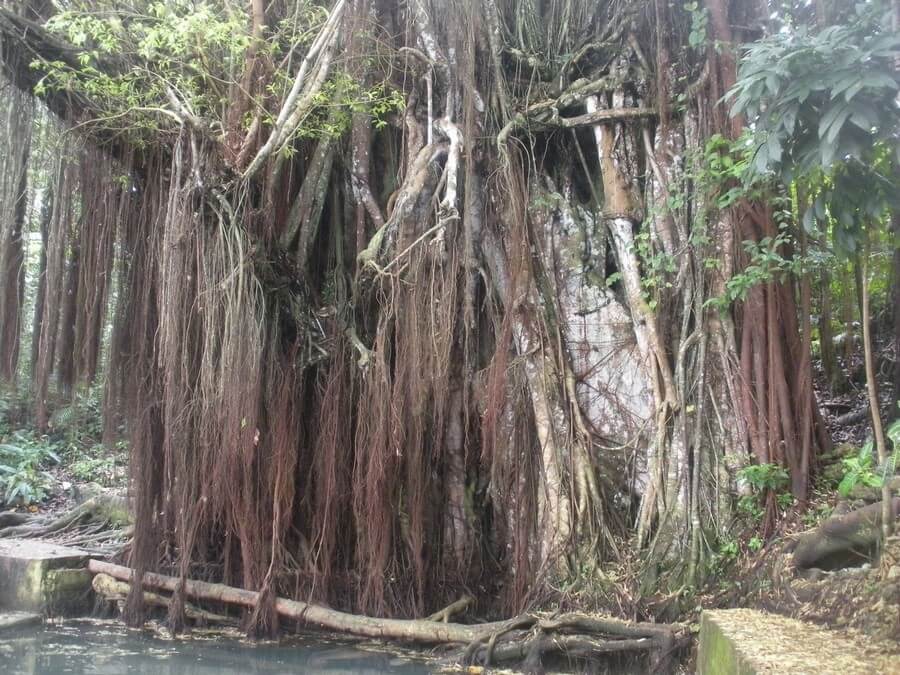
pixel 401 343
pixel 41 292
pixel 781 412
pixel 12 274
pixel 13 209
pixel 57 241
pixel 67 346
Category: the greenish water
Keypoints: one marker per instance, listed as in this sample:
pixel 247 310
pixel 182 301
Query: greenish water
pixel 109 648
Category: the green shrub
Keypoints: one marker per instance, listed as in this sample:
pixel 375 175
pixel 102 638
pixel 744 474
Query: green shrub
pixel 761 478
pixel 23 476
pixel 97 464
pixel 861 468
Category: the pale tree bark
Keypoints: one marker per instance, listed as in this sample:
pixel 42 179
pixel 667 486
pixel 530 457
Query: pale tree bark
pixel 887 520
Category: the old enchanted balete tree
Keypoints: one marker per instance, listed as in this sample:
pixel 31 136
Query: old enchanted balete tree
pixel 407 298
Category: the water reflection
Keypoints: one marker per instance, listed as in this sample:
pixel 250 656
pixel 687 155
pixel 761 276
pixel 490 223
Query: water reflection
pixel 112 649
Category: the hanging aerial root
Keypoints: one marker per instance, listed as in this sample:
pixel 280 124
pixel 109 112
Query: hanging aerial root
pixel 577 634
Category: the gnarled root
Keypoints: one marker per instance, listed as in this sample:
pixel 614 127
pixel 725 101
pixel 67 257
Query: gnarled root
pixel 99 525
pixel 850 533
pixel 580 635
pixel 530 637
pixel 110 509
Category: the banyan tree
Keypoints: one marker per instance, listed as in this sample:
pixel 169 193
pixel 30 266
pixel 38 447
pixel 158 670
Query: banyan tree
pixel 408 299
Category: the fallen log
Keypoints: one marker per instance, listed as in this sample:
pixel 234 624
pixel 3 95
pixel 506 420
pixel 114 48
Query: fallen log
pixel 115 590
pixel 408 630
pixel 853 532
pixel 587 635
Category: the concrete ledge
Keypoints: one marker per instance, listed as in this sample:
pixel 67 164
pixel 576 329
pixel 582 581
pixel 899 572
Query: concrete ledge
pixel 37 576
pixel 747 642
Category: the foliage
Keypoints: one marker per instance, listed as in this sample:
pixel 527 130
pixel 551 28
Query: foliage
pixel 656 267
pixel 79 424
pixel 699 22
pixel 97 464
pixel 73 441
pixel 77 430
pixel 186 48
pixel 729 549
pixel 141 68
pixel 763 478
pixel 342 96
pixel 23 461
pixel 824 112
pixel 724 173
pixel 723 169
pixel 861 469
pixel 765 262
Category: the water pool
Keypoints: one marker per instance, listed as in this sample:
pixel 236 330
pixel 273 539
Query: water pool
pixel 110 648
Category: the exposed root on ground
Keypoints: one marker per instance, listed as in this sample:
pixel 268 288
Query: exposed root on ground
pixel 527 636
pixel 849 534
pixel 94 524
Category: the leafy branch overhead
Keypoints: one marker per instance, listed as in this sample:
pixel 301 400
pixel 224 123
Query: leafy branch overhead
pixel 824 108
pixel 148 71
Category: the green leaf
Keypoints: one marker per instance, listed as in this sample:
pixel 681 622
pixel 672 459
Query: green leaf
pixel 828 152
pixel 833 120
pixel 864 116
pixel 761 161
pixel 789 120
pixel 13 450
pixel 853 91
pixel 848 482
pixel 773 149
pixel 871 480
pixel 809 219
pixel 879 80
pixel 844 84
pixel 865 452
pixel 893 432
